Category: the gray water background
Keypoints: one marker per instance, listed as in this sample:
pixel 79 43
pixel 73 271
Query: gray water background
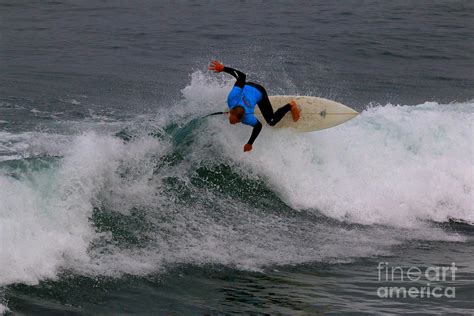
pixel 137 56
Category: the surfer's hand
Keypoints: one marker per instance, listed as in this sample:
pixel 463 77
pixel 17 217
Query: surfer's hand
pixel 247 147
pixel 216 66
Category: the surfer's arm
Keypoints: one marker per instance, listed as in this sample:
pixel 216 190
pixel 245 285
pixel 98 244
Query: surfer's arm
pixel 251 120
pixel 256 130
pixel 240 76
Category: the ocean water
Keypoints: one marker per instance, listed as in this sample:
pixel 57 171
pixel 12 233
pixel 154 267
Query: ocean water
pixel 116 198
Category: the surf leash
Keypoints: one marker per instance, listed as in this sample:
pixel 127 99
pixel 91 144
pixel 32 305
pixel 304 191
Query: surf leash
pixel 215 113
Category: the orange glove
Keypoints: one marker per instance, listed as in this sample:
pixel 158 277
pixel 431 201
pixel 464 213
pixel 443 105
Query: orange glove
pixel 216 66
pixel 247 147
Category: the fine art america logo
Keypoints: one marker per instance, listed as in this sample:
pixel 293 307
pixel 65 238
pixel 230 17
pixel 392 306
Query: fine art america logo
pixel 431 278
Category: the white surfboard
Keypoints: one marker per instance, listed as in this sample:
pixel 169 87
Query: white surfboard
pixel 316 113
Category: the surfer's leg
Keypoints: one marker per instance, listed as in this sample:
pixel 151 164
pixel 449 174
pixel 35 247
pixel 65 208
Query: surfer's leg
pixel 273 117
pixel 280 113
pixel 267 111
pixel 266 108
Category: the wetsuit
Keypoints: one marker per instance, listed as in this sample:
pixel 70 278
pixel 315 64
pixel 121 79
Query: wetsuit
pixel 247 95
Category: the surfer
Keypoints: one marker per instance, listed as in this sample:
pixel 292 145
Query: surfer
pixel 242 100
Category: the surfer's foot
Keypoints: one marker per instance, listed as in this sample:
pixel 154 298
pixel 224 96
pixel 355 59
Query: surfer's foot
pixel 295 111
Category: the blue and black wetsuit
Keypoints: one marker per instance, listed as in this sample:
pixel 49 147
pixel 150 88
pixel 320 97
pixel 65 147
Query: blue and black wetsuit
pixel 249 94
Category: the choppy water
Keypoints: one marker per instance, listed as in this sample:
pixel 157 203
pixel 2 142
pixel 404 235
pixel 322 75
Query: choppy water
pixel 115 199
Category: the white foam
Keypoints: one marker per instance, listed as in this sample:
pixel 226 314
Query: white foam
pixel 396 166
pixel 71 101
pixel 3 309
pixel 44 215
pixel 30 144
pixel 391 165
